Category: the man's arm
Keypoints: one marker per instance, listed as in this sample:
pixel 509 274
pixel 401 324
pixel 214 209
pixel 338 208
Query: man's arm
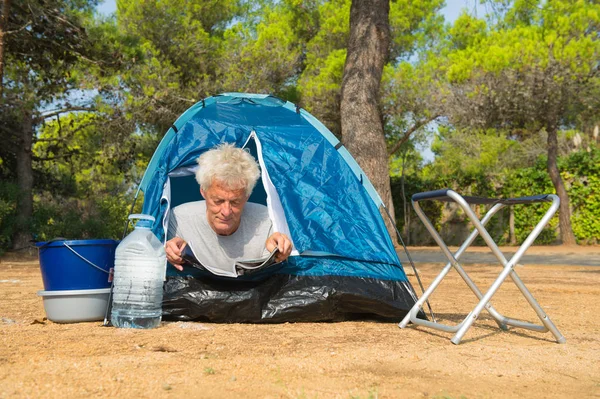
pixel 282 242
pixel 173 248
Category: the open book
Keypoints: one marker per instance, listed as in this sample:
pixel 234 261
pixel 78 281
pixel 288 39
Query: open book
pixel 238 268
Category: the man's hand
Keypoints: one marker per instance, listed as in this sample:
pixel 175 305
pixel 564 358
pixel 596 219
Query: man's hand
pixel 282 242
pixel 173 248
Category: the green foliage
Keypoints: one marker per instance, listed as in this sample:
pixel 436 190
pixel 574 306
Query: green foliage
pixel 86 178
pixel 188 50
pixel 83 181
pixel 471 155
pixel 320 82
pixel 46 46
pixel 415 184
pixel 474 174
pixel 73 156
pixel 99 216
pixel 557 31
pixel 408 162
pixel 467 32
pixel 53 41
pixel 582 178
pixel 172 51
pixel 489 84
pixel 531 68
pixel 45 40
pixel 320 88
pixel 526 182
pixel 92 218
pixel 581 174
pixel 248 49
pixel 412 25
pixel 411 98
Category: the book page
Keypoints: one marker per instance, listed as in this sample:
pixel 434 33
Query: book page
pixel 191 259
pixel 258 263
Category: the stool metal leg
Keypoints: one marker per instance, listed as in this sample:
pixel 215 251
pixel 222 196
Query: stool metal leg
pixel 484 300
pixel 453 262
pixel 508 270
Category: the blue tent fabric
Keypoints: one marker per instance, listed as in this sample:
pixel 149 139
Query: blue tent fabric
pixel 329 205
pixel 326 206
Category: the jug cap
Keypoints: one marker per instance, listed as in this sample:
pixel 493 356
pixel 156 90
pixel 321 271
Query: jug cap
pixel 141 216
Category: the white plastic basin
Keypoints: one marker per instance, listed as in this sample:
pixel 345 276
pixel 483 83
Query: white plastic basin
pixel 74 306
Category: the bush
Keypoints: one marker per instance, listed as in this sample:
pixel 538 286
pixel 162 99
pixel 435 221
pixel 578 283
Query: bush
pixel 92 218
pixel 582 178
pixel 580 172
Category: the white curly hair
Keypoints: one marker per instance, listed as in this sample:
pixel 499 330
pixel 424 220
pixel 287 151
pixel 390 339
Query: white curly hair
pixel 232 166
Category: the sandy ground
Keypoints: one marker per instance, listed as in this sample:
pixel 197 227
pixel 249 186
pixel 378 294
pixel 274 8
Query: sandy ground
pixel 39 358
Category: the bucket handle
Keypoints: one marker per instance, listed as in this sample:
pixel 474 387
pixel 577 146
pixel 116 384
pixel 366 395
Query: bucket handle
pixel 85 260
pixel 51 241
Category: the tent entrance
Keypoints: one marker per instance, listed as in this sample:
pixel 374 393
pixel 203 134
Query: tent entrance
pixel 181 187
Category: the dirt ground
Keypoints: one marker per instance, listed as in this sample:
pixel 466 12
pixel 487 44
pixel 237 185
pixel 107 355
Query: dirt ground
pixel 39 358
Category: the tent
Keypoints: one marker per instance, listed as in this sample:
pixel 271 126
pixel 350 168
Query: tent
pixel 343 266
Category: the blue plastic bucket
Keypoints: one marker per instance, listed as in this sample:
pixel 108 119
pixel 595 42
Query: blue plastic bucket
pixel 76 264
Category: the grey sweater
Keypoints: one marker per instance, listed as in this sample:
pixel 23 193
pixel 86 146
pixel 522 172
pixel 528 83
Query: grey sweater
pixel 188 221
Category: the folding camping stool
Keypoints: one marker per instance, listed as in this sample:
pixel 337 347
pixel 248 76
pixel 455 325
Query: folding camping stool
pixel 508 266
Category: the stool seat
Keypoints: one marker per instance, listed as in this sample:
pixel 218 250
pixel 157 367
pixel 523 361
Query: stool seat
pixel 507 270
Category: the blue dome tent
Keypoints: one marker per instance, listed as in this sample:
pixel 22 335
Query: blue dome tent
pixel 343 266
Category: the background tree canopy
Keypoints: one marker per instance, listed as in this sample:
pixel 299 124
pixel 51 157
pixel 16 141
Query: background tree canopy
pixel 510 100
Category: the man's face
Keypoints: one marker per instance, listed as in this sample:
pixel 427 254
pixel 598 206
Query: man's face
pixel 224 207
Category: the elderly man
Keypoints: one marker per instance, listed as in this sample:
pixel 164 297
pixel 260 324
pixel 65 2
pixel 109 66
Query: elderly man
pixel 224 227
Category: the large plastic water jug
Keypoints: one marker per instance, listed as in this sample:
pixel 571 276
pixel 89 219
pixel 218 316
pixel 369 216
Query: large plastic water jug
pixel 140 269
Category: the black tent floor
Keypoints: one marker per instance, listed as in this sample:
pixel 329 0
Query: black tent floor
pixel 285 298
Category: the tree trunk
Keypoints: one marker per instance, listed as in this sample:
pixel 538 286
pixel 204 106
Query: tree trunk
pixel 22 234
pixel 564 212
pixel 4 12
pixel 405 207
pixel 511 227
pixel 362 123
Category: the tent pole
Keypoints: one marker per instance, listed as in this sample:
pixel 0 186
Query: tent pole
pixel 130 212
pixel 409 259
